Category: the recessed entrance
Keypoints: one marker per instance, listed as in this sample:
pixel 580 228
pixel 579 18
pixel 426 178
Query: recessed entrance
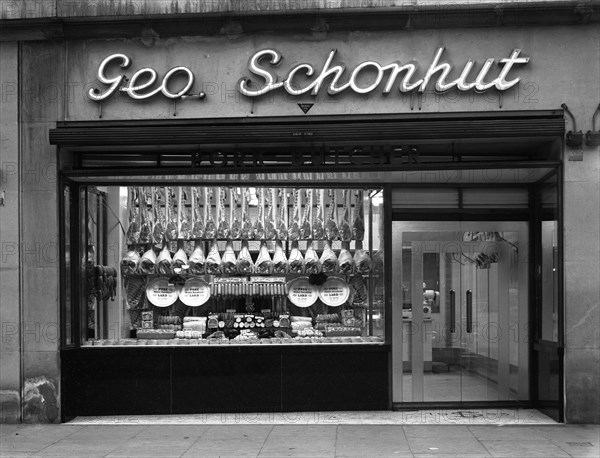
pixel 464 308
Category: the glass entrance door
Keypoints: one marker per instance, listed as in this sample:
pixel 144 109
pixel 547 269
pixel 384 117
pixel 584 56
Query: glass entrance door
pixel 464 312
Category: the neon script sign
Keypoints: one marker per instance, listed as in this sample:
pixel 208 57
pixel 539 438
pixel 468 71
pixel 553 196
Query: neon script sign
pixel 304 78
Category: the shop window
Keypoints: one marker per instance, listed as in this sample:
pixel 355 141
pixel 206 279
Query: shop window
pixel 198 265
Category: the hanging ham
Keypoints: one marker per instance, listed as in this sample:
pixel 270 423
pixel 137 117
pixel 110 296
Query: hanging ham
pixel 312 264
pixel 210 227
pixel 264 264
pixel 345 259
pixel 180 261
pixel 171 231
pixel 281 223
pixel 247 232
pixel 244 262
pixel 331 229
pixel 158 231
pixel 228 262
pixel 296 261
pixel 147 263
pixel 270 232
pixel 164 262
pixel 197 217
pixel 213 260
pixel 222 216
pixel 280 262
pixel 133 229
pixel 345 231
pixel 183 219
pixel 259 225
pixel 305 227
pixel 362 261
pixel 146 221
pixel 329 260
pixel 236 224
pixel 129 263
pixel 294 227
pixel 358 223
pixel 197 260
pixel 318 229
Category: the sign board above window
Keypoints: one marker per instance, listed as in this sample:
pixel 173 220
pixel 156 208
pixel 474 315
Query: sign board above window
pixel 305 78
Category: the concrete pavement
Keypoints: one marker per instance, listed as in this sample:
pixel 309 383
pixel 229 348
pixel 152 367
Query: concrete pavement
pixel 299 440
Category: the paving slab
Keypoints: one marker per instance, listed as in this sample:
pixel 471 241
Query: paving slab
pixel 190 440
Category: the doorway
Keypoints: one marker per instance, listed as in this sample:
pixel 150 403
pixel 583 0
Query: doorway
pixel 464 312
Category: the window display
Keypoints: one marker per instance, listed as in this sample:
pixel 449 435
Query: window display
pixel 199 265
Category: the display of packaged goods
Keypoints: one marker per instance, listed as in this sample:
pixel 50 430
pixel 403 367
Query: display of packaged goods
pixel 246 334
pixel 311 238
pixel 147 316
pixel 168 319
pixel 217 335
pixel 155 334
pixel 309 332
pixel 297 325
pixel 328 318
pixel 341 331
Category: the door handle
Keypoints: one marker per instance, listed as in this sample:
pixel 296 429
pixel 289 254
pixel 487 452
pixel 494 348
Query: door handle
pixel 469 311
pixel 452 310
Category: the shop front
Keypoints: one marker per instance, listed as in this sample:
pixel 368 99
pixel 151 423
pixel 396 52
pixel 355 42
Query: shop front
pixel 255 268
pixel 274 222
pixel 251 257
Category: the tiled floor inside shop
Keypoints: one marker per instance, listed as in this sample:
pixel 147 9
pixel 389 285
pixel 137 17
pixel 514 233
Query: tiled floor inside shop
pixel 348 434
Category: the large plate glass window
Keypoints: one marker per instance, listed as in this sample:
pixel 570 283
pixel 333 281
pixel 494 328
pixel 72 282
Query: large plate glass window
pixel 195 265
